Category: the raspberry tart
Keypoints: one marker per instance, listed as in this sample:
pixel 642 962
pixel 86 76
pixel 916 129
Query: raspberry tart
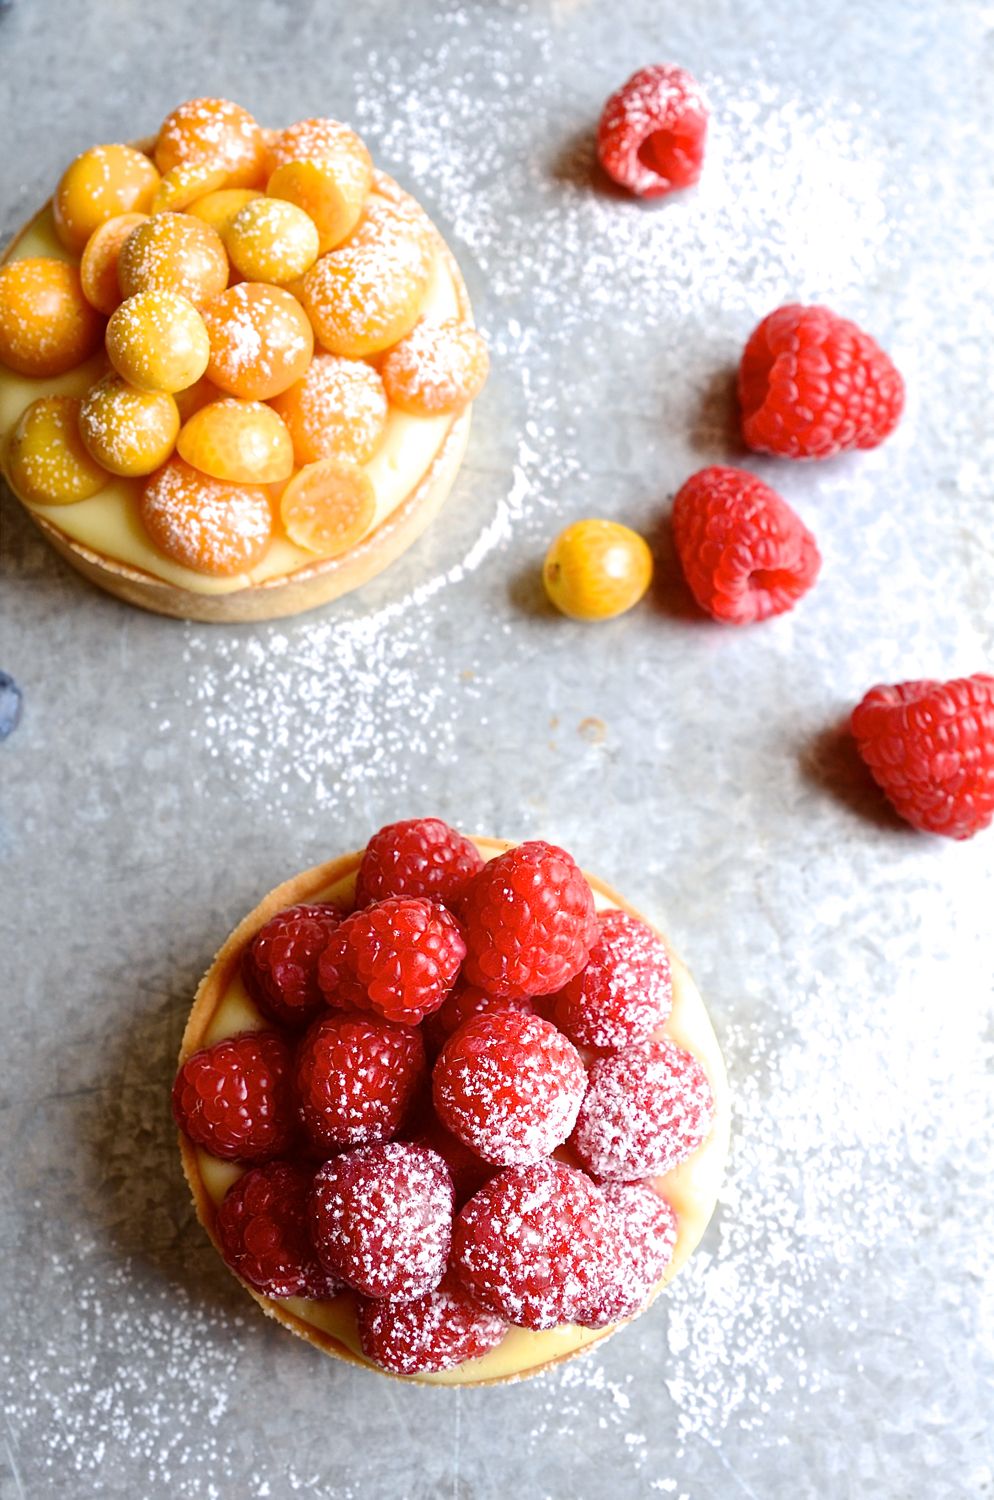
pixel 449 1108
pixel 236 366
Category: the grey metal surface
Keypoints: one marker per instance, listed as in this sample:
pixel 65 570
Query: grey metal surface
pixel 835 1335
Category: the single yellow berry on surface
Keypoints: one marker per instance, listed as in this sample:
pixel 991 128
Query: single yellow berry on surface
pixel 597 569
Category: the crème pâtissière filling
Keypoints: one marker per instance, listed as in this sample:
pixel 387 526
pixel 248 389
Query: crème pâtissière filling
pixel 358 1310
pixel 230 357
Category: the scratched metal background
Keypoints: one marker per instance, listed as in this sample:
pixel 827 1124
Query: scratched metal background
pixel 835 1335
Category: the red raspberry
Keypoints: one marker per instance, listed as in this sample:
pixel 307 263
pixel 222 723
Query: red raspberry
pixel 357 1077
pixel 509 1086
pixel 529 921
pixel 419 857
pixel 745 553
pixel 651 134
pixel 625 991
pixel 280 965
pixel 382 1219
pixel 647 1229
pixel 812 384
pixel 646 1110
pixel 263 1227
pixel 930 745
pixel 468 1171
pixel 399 958
pixel 463 1001
pixel 434 1332
pixel 533 1243
pixel 235 1100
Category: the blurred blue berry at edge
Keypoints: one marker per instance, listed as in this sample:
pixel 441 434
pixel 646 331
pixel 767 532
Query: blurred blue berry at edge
pixel 10 704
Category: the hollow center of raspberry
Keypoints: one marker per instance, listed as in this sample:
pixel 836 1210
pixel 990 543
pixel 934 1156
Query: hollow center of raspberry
pixel 768 580
pixel 667 153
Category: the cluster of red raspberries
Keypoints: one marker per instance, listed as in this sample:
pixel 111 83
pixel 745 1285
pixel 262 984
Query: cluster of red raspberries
pixel 460 1105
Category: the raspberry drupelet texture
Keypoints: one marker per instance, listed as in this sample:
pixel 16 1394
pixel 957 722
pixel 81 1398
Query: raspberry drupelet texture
pixel 647 1108
pixel 533 1244
pixel 434 1332
pixel 745 554
pixel 263 1228
pixel 234 1099
pixel 356 1078
pixel 280 965
pixel 382 1219
pixel 417 857
pixel 509 1086
pixel 646 1229
pixel 462 1002
pixel 624 992
pixel 529 922
pixel 399 957
pixel 652 132
pixel 812 384
pixel 930 746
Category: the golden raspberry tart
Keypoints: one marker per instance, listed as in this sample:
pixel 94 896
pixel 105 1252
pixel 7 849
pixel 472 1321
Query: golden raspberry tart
pixel 236 366
pixel 450 1108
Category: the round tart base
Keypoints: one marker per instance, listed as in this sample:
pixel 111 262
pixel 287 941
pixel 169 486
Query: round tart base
pixel 222 1008
pixel 318 582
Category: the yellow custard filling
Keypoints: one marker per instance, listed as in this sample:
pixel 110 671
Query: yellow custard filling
pixel 691 1188
pixel 108 523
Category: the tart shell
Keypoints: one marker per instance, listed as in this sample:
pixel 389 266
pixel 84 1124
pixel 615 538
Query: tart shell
pixel 691 1188
pixel 324 579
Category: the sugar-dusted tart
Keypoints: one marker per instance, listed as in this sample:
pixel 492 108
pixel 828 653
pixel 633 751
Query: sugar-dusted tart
pixel 236 366
pixel 373 1098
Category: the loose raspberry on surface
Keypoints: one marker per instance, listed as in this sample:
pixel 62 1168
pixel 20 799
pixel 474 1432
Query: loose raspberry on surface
pixel 812 384
pixel 625 991
pixel 235 1099
pixel 357 1076
pixel 529 921
pixel 280 965
pixel 651 134
pixel 263 1227
pixel 434 1332
pixel 509 1086
pixel 417 857
pixel 647 1230
pixel 532 1245
pixel 745 554
pixel 399 957
pixel 647 1108
pixel 382 1219
pixel 462 1002
pixel 930 746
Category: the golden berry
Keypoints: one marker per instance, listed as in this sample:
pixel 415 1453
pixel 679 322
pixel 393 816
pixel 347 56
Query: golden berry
pixel 184 184
pixel 260 340
pixel 203 523
pixel 99 185
pixel 438 367
pixel 173 253
pixel 597 569
pixel 157 340
pixel 129 432
pixel 46 324
pixel 270 240
pixel 338 409
pixel 46 458
pixel 221 208
pixel 241 441
pixel 328 506
pixel 98 268
pixel 218 132
pixel 323 168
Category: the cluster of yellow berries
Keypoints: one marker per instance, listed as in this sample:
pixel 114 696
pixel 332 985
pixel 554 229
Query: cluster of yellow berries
pixel 205 274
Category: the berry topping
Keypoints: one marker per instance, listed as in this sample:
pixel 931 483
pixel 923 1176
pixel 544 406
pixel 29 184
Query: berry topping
pixel 337 409
pixel 509 1085
pixel 532 1244
pixel 382 1219
pixel 646 1110
pixel 263 1228
pixel 438 367
pixel 465 1000
pixel 47 459
pixel 529 921
pixel 646 1229
pixel 595 570
pixel 419 857
pixel 745 553
pixel 469 1172
pixel 46 324
pixel 206 524
pixel 234 1099
pixel 651 135
pixel 399 957
pixel 356 1077
pixel 213 132
pixel 812 384
pixel 625 991
pixel 433 1332
pixel 280 965
pixel 930 745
